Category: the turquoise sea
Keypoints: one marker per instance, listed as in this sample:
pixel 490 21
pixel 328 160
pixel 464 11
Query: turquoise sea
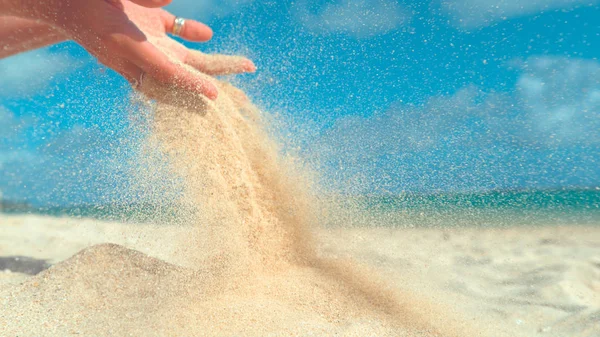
pixel 492 208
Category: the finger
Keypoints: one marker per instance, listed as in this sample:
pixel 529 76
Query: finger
pixel 191 30
pixel 217 64
pixel 132 73
pixel 236 94
pixel 151 3
pixel 158 65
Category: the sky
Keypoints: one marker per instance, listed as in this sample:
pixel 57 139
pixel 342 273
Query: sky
pixel 377 96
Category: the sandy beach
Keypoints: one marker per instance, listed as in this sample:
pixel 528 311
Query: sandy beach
pixel 504 282
pixel 248 252
pixel 328 168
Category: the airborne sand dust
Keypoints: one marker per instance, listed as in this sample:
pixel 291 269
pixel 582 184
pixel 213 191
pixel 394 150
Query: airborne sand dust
pixel 255 270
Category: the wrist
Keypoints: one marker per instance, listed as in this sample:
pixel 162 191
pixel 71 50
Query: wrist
pixel 18 35
pixel 46 11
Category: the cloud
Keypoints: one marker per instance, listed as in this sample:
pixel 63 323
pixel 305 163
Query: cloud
pixel 68 166
pixel 9 125
pixel 542 134
pixel 11 135
pixel 15 158
pixel 440 145
pixel 206 9
pixel 82 164
pixel 361 19
pixel 28 73
pixel 561 99
pixel 470 14
pixel 39 171
pixel 74 141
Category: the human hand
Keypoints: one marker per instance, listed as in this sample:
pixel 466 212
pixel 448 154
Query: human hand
pixel 129 36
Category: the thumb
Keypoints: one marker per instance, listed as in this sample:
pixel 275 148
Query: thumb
pixel 151 3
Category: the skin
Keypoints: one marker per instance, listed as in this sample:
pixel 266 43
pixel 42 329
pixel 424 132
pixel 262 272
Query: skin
pixel 129 36
pixel 18 35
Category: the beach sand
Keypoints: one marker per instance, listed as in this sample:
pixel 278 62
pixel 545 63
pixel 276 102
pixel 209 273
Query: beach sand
pixel 520 281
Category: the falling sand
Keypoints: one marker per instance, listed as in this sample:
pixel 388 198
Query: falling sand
pixel 251 266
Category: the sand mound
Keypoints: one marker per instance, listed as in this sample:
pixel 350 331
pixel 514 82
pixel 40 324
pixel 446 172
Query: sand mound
pixel 100 290
pixel 109 290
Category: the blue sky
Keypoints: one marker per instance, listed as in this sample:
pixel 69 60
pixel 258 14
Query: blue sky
pixel 379 96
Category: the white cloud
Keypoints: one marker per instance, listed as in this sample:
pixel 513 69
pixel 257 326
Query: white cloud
pixel 20 157
pixel 477 13
pixel 544 133
pixel 361 18
pixel 12 127
pixel 12 151
pixel 8 123
pixel 205 9
pixel 561 99
pixel 416 147
pixel 27 73
pixel 81 164
pixel 70 164
pixel 74 141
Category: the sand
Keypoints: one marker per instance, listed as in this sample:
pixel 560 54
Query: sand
pixel 249 246
pixel 246 262
pixel 507 282
pixel 244 256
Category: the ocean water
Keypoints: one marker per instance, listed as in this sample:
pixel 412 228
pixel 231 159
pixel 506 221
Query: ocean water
pixel 492 208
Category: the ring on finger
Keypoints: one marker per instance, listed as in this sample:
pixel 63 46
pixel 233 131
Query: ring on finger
pixel 178 26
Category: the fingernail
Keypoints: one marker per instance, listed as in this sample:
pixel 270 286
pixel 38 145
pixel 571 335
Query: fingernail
pixel 249 66
pixel 211 92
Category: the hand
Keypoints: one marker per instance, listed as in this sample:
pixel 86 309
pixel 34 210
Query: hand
pixel 131 39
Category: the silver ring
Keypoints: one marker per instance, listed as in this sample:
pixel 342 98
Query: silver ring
pixel 178 26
